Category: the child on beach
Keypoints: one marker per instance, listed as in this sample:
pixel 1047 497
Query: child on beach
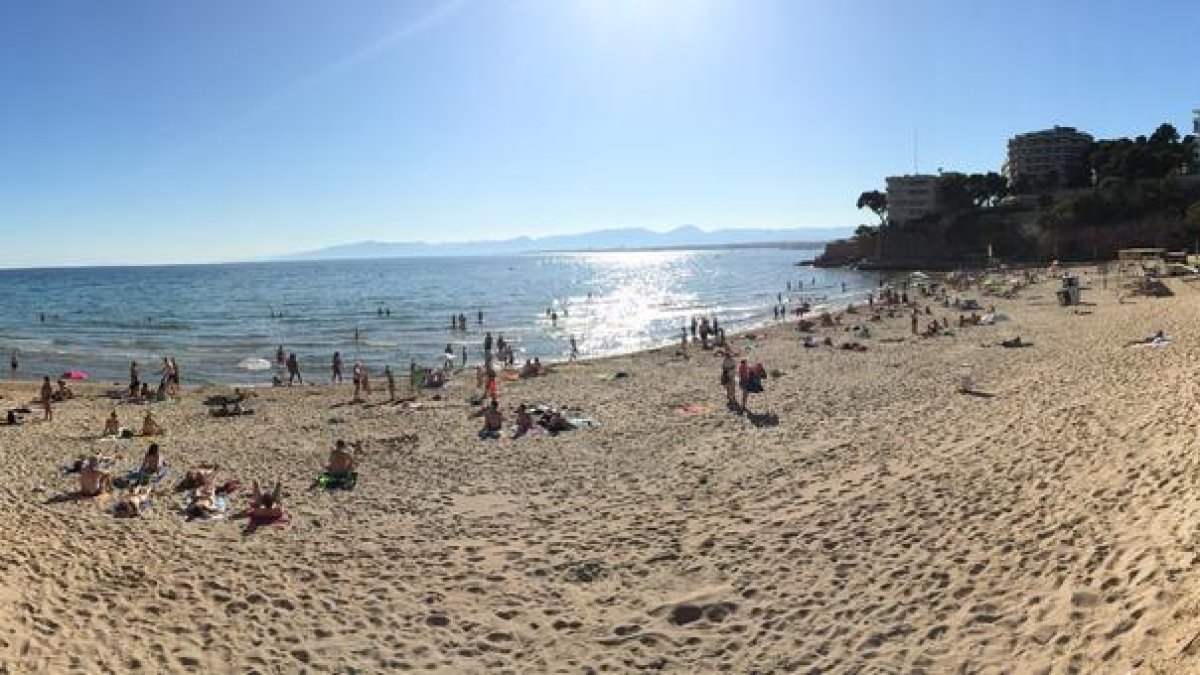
pixel 47 398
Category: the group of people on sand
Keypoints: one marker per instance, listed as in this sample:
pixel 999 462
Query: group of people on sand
pixel 205 497
pixel 550 420
pixel 113 428
pixel 704 329
pixel 168 385
pixel 740 375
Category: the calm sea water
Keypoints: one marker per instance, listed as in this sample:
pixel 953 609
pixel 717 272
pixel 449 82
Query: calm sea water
pixel 210 317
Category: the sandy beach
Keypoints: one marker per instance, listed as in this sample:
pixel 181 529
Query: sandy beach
pixel 885 523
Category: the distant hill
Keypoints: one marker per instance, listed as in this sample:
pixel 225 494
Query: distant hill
pixel 600 240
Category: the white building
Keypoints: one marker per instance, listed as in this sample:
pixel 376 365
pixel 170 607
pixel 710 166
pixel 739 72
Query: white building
pixel 911 197
pixel 1196 131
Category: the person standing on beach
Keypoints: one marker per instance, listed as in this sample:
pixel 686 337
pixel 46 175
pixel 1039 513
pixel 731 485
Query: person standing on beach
pixel 750 380
pixel 13 362
pixel 391 383
pixel 293 368
pixel 280 356
pixel 134 381
pixel 574 348
pixel 356 377
pixel 914 322
pixel 487 347
pixel 464 356
pixel 337 368
pixel 728 368
pixel 695 327
pixel 47 397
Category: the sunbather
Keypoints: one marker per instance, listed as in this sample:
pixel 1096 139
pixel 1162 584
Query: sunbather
pixel 134 501
pixel 266 507
pixel 196 477
pixel 524 421
pixel 554 422
pixel 493 421
pixel 112 426
pixel 153 462
pixel 93 480
pixel 341 461
pixel 203 502
pixel 1158 337
pixel 149 426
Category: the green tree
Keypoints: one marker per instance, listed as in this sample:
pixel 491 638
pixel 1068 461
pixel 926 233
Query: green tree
pixel 877 202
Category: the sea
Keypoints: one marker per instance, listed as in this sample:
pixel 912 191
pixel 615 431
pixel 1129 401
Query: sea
pixel 390 311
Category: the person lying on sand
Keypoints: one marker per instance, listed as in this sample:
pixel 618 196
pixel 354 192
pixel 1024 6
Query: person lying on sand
pixel 149 426
pixel 112 425
pixel 853 346
pixel 1159 337
pixel 94 481
pixel 493 421
pixel 554 422
pixel 196 476
pixel 203 502
pixel 133 502
pixel 341 461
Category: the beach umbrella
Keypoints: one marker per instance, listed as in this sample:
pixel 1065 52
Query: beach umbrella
pixel 75 375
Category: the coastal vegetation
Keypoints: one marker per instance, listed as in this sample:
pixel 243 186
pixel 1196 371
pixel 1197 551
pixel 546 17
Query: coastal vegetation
pixel 1142 191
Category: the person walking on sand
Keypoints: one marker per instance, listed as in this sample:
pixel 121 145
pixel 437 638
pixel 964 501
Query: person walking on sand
pixel 574 348
pixel 280 356
pixel 13 362
pixel 356 377
pixel 293 368
pixel 47 398
pixel 337 368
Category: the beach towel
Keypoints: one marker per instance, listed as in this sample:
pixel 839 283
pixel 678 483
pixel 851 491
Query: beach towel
pixel 219 511
pixel 138 477
pixel 256 522
pixel 337 481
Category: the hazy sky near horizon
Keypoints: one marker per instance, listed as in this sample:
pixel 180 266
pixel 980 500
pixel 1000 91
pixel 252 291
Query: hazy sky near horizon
pixel 145 131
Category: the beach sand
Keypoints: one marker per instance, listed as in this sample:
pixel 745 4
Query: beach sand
pixel 885 523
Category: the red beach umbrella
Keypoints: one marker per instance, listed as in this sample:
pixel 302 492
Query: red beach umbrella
pixel 75 375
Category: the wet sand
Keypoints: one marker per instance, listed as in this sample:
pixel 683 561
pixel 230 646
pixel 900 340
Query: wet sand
pixel 874 521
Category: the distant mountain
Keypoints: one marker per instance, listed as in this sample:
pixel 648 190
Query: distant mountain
pixel 617 239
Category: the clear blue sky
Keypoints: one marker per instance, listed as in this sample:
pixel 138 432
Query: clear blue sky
pixel 150 131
